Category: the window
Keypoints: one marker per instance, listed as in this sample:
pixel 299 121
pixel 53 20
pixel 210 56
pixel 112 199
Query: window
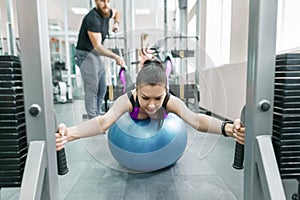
pixel 288 29
pixel 218 30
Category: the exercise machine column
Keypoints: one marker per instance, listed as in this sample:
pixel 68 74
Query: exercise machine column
pixel 11 41
pixel 183 31
pixel 198 44
pixel 35 60
pixel 260 88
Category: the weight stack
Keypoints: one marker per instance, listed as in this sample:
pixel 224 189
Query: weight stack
pixel 13 141
pixel 286 115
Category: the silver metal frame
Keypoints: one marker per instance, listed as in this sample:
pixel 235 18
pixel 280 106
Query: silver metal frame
pixel 11 41
pixel 1 37
pixel 268 170
pixel 197 70
pixel 34 172
pixel 259 162
pixel 125 10
pixel 67 49
pixel 35 60
pixel 183 28
pixel 166 23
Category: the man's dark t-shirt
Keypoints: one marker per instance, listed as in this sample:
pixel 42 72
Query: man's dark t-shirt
pixel 93 22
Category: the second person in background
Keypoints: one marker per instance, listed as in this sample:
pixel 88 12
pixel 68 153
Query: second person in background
pixel 89 49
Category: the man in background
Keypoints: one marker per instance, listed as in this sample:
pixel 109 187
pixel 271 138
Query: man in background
pixel 89 49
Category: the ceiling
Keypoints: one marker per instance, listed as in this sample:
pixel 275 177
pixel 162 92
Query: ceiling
pixel 56 10
pixel 155 7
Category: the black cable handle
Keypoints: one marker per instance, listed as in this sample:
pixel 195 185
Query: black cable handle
pixel 239 148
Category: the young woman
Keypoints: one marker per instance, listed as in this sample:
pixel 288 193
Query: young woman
pixel 151 98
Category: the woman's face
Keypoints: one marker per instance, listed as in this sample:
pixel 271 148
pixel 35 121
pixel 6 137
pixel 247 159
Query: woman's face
pixel 151 97
pixel 103 6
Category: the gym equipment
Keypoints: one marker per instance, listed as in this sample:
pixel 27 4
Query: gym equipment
pixel 164 57
pixel 286 117
pixel 1 37
pixel 11 41
pixel 13 139
pixel 261 175
pixel 121 80
pixel 62 166
pixel 40 180
pixel 116 49
pixel 139 145
pixel 183 91
pixel 183 53
pixel 60 88
pixel 126 81
pixel 239 148
pixel 167 57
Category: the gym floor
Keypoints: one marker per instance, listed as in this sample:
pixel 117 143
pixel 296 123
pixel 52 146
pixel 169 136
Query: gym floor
pixel 204 171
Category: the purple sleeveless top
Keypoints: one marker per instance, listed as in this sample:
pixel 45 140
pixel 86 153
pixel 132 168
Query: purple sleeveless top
pixel 136 106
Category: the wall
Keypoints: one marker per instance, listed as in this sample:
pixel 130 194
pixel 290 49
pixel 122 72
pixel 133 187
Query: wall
pixel 55 11
pixel 239 31
pixel 223 89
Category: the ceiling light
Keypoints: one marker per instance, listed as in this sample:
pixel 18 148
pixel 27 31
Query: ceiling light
pixel 79 10
pixel 142 11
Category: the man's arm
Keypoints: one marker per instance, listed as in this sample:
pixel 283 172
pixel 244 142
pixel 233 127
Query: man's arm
pixel 96 39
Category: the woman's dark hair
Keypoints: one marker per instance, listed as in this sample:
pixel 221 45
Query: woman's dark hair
pixel 153 73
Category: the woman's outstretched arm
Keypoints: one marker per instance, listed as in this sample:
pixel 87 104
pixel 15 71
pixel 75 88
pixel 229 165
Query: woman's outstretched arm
pixel 203 122
pixel 93 126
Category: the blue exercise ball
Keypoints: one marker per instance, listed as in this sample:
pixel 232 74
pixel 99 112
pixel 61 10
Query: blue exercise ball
pixel 140 146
